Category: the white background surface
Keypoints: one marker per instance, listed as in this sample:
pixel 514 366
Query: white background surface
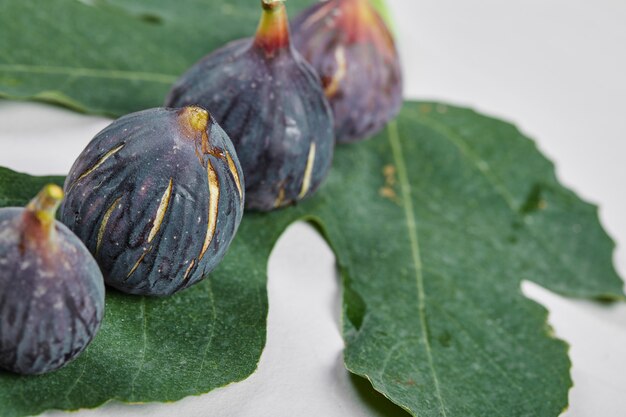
pixel 557 68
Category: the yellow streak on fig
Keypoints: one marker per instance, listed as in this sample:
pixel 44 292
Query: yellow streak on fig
pixel 233 170
pixel 99 163
pixel 134 268
pixel 196 118
pixel 160 214
pixel 281 197
pixel 306 182
pixel 193 262
pixel 332 88
pixel 103 224
pixel 214 198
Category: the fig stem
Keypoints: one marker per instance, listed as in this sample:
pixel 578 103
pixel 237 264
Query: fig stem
pixel 45 204
pixel 196 118
pixel 273 30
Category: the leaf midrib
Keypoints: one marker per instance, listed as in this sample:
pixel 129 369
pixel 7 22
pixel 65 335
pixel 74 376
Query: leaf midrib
pixel 210 340
pixel 145 346
pixel 90 73
pixel 411 223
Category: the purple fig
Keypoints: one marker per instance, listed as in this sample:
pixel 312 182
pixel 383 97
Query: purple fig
pixel 157 197
pixel 271 104
pixel 353 51
pixel 51 290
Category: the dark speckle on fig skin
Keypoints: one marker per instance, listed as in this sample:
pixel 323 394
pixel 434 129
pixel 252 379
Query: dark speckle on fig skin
pixel 51 298
pixel 273 108
pixel 119 202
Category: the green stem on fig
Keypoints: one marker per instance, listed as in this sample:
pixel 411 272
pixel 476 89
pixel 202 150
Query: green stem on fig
pixel 273 30
pixel 45 204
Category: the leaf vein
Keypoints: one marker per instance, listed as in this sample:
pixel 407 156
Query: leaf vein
pixel 385 362
pixel 210 341
pixel 409 211
pixel 90 73
pixel 75 384
pixel 145 346
pixel 488 359
pixel 485 170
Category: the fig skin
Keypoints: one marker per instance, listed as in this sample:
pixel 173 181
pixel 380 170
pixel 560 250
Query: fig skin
pixel 270 102
pixel 51 290
pixel 157 197
pixel 353 52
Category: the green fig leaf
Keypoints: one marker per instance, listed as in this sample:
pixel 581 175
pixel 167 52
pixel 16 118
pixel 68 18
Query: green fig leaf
pixel 151 349
pixel 113 57
pixel 435 222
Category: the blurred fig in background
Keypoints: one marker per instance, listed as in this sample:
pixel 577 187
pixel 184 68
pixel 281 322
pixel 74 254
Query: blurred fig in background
pixel 354 53
pixel 51 290
pixel 271 104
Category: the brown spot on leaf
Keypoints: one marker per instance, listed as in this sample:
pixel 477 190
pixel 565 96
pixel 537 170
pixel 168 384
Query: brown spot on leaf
pixel 388 190
pixel 389 171
pixel 425 108
pixel 389 193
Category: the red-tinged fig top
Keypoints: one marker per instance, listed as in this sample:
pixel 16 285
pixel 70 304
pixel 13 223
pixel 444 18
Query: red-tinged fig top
pixel 359 22
pixel 273 31
pixel 39 216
